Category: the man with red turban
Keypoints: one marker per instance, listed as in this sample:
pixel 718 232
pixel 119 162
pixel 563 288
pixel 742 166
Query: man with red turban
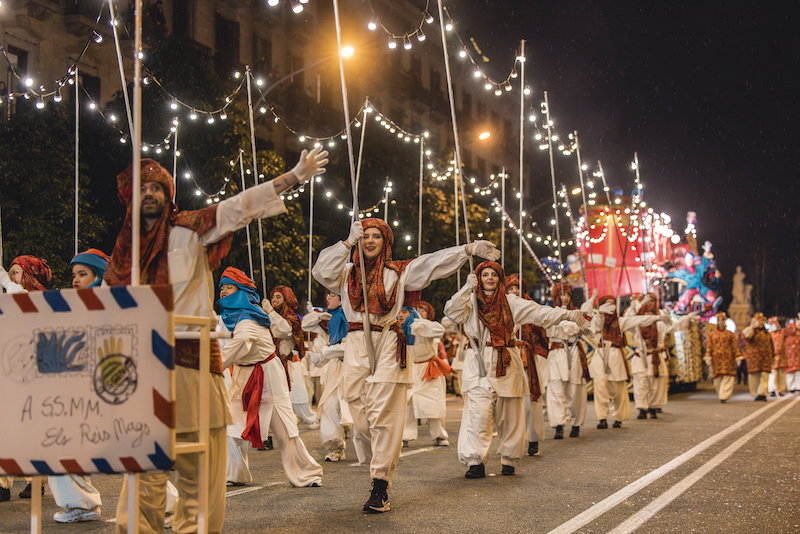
pixel 27 272
pixel 181 248
pixel 722 353
pixel 494 378
pixel 376 375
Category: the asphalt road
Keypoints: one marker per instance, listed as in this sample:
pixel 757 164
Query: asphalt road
pixel 701 466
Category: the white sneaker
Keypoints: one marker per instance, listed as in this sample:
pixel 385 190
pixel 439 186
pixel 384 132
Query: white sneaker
pixel 76 515
pixel 313 426
pixel 441 442
pixel 334 456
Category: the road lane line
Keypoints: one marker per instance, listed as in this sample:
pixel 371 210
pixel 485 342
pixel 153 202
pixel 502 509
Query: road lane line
pixel 620 496
pixel 404 454
pixel 643 515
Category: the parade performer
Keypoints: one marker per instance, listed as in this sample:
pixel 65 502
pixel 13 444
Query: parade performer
pixel 792 341
pixel 722 354
pixel 326 353
pixel 291 350
pixel 609 368
pixel 494 378
pixel 649 363
pixel 26 273
pixel 376 375
pixel 458 346
pixel 427 397
pixel 760 355
pixel 569 370
pixel 181 248
pixel 259 392
pixel 534 351
pixel 777 377
pixel 691 274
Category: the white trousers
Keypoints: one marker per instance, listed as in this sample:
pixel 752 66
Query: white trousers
pixel 378 420
pixel 410 430
pixel 153 491
pixel 777 381
pixel 74 492
pixel 758 383
pixel 482 406
pixel 299 466
pixel 641 391
pixel 566 403
pixel 606 392
pixel 793 381
pixel 724 386
pixel 331 432
pixel 534 419
pixel 6 482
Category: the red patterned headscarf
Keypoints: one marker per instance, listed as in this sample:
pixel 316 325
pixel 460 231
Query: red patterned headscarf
pixel 36 274
pixel 611 329
pixel 534 335
pixel 153 245
pixel 495 313
pixel 377 302
pixel 288 310
pixel 649 333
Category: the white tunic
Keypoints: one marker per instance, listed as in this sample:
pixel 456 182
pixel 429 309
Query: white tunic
pixel 332 270
pixel 252 343
pixel 193 292
pixel 324 360
pixel 609 362
pixel 427 396
pixel 461 309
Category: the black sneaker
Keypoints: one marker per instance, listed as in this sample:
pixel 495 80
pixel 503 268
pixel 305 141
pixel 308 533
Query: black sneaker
pixel 617 424
pixel 653 413
pixel 26 492
pixel 268 444
pixel 642 414
pixel 476 471
pixel 507 470
pixel 602 423
pixel 575 432
pixel 533 448
pixel 723 401
pixel 5 495
pixel 378 501
pixel 559 433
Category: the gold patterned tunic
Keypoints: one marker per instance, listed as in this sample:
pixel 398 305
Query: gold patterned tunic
pixel 724 351
pixel 759 352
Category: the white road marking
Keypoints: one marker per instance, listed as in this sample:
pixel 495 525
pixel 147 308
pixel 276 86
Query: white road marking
pixel 639 518
pixel 610 502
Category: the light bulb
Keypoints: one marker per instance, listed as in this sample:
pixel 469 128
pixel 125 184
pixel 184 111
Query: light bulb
pixel 428 18
pixel 40 104
pixel 57 97
pixel 97 38
pixel 448 26
pixel 462 53
pixel 420 36
pixel 273 3
pixel 406 43
pixel 392 43
pixel 372 25
pixel 297 8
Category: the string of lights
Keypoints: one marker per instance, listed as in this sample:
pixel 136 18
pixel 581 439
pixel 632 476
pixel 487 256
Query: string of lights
pixel 406 37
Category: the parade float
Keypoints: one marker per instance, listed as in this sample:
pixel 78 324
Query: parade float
pixel 628 249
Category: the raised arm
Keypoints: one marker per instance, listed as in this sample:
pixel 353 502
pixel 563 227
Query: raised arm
pixel 458 308
pixel 629 323
pixel 531 312
pixel 424 328
pixel 312 319
pixel 444 263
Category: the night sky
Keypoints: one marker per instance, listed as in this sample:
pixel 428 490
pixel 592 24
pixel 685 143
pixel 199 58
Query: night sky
pixel 701 90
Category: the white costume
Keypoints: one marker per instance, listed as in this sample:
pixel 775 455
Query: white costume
pixel 609 370
pixel 649 391
pixel 487 397
pixel 566 392
pixel 333 413
pixel 299 392
pixel 426 398
pixel 193 291
pixel 461 345
pixel 376 390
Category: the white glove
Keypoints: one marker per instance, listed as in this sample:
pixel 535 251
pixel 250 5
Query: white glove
pixel 310 164
pixel 666 319
pixel 569 328
pixel 608 308
pixel 9 285
pixel 4 278
pixel 266 305
pixel 588 306
pixel 484 249
pixel 693 316
pixel 309 307
pixel 748 332
pixel 472 281
pixel 356 231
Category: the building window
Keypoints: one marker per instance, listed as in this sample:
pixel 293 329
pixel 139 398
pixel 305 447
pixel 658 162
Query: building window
pixel 466 103
pixel 436 81
pixel 227 44
pixel 262 56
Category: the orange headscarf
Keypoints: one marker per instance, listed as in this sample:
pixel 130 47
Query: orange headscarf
pixel 495 313
pixel 288 310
